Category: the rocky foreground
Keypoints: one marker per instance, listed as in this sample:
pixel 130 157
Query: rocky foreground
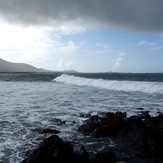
pixel 138 139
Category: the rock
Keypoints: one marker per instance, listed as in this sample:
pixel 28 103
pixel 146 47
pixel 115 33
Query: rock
pixel 160 121
pixel 140 108
pixel 145 114
pixel 48 151
pixel 59 122
pixel 53 149
pixel 107 157
pixel 79 153
pixel 143 134
pixel 48 130
pixel 40 138
pixel 84 115
pixel 110 125
pixel 137 139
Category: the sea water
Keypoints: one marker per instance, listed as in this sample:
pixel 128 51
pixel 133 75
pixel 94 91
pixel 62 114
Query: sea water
pixel 29 102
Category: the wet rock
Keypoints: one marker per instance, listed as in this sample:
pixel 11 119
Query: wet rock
pixel 145 114
pixel 40 138
pixel 46 151
pixel 84 115
pixel 48 130
pixel 143 134
pixel 110 125
pixel 140 108
pixel 158 112
pixel 53 149
pixel 79 153
pixel 138 139
pixel 91 125
pixel 59 122
pixel 107 157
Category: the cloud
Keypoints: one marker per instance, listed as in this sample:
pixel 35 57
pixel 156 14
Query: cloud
pixel 146 43
pixel 105 46
pixel 23 44
pixel 118 61
pixel 64 64
pixel 67 29
pixel 35 46
pixel 68 49
pixel 135 15
pixel 17 39
pixel 150 45
pixel 157 48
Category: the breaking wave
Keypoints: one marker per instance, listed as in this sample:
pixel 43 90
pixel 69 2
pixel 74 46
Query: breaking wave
pixel 129 86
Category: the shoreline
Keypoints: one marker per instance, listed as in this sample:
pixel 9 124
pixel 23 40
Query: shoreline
pixel 138 138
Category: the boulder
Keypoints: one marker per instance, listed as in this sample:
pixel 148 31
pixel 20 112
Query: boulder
pixel 143 134
pixel 53 149
pixel 137 138
pixel 109 125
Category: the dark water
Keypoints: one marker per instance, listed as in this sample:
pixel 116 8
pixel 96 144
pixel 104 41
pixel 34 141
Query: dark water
pixel 28 77
pixel 45 77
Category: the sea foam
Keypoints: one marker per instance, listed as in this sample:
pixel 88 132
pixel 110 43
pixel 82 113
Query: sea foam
pixel 129 86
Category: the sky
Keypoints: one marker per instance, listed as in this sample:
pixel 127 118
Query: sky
pixel 83 35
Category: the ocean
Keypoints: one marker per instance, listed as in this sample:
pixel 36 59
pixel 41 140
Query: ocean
pixel 33 101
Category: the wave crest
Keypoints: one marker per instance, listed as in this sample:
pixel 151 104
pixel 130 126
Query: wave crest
pixel 129 86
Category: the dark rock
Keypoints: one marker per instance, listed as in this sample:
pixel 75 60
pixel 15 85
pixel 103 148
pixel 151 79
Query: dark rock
pixel 145 114
pixel 143 134
pixel 140 108
pixel 107 157
pixel 93 119
pixel 84 115
pixel 53 149
pixel 110 125
pixel 135 123
pixel 137 139
pixel 91 124
pixel 114 124
pixel 79 153
pixel 48 151
pixel 122 114
pixel 40 138
pixel 48 130
pixel 59 122
pixel 158 112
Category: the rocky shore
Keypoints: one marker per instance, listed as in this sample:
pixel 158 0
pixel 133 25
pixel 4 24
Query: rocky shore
pixel 139 139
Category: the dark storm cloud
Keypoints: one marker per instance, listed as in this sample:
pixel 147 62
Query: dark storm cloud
pixel 131 14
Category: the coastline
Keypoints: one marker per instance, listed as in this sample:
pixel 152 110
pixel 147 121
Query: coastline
pixel 138 138
pixel 34 102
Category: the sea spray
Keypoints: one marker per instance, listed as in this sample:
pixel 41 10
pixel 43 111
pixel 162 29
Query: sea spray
pixel 30 102
pixel 130 86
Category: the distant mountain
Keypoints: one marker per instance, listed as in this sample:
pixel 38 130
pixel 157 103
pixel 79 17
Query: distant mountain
pixel 70 71
pixel 6 66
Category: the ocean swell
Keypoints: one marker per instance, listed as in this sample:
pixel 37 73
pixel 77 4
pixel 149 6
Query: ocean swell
pixel 129 86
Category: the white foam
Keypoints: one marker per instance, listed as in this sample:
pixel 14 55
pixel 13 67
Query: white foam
pixel 147 87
